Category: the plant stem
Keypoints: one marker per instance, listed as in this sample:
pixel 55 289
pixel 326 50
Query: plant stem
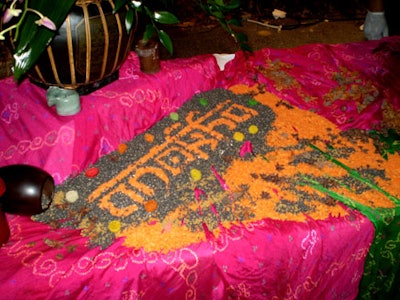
pixel 319 187
pixel 356 175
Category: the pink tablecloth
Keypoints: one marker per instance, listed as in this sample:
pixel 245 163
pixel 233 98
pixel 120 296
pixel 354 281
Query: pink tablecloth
pixel 268 260
pixel 346 83
pixel 33 133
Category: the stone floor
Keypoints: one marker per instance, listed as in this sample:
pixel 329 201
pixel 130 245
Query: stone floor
pixel 197 35
pixel 190 41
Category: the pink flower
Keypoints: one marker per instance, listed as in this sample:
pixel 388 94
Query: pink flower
pixel 10 13
pixel 46 22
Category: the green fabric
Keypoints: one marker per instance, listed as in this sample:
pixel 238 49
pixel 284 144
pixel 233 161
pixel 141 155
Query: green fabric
pixel 381 278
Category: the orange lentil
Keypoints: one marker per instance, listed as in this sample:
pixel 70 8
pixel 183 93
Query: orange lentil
pixel 149 137
pixel 122 148
pixel 151 205
pixel 288 126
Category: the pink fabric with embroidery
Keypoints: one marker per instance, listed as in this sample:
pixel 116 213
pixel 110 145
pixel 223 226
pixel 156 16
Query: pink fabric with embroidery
pixel 33 133
pixel 267 260
pixel 346 83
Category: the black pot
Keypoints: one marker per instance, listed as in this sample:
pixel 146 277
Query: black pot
pixel 29 190
pixel 88 49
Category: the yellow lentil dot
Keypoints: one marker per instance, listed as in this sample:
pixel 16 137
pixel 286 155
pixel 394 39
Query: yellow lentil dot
pixel 114 226
pixel 238 136
pixel 195 174
pixel 253 129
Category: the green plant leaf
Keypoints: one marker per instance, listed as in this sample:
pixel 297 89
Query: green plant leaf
pixel 165 17
pixel 32 39
pixel 166 41
pixel 148 32
pixel 353 173
pixel 319 187
pixel 234 4
pixel 241 37
pixel 226 6
pixel 235 22
pixel 389 142
pixel 130 20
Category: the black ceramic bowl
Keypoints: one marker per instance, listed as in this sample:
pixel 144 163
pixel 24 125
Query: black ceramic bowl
pixel 29 190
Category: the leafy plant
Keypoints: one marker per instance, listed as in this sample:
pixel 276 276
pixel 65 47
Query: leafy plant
pixel 387 143
pixel 154 18
pixel 356 175
pixel 28 36
pixel 217 9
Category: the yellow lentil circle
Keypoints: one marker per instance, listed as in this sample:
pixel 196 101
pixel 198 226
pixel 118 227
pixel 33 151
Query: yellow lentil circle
pixel 195 174
pixel 114 226
pixel 253 129
pixel 238 136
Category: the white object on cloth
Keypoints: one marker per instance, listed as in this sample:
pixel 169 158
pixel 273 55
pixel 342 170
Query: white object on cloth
pixel 223 59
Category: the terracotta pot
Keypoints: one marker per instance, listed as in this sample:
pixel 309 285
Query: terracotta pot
pixel 29 190
pixel 148 56
pixel 88 50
